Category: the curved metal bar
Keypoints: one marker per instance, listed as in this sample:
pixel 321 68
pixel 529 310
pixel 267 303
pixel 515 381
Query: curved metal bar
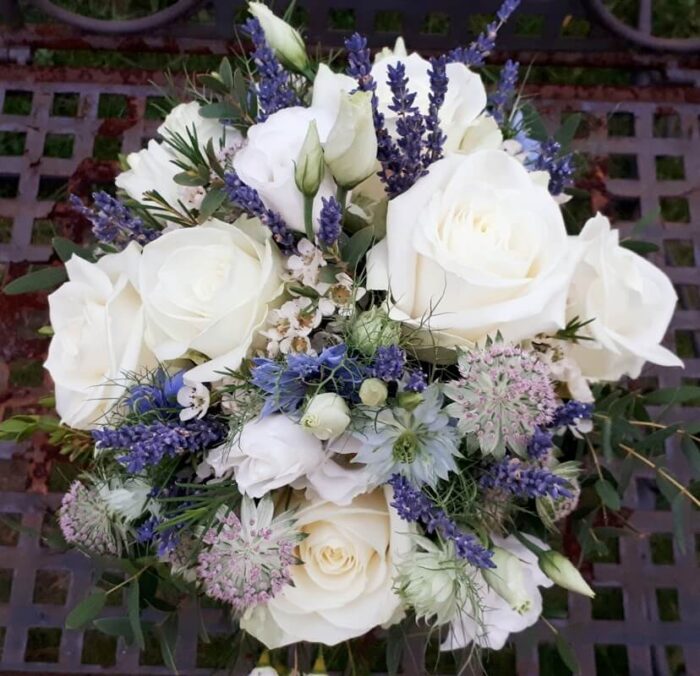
pixel 639 36
pixel 118 27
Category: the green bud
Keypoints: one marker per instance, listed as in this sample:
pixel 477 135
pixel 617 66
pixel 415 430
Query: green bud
pixel 409 400
pixel 373 329
pixel 562 572
pixel 286 41
pixel 310 166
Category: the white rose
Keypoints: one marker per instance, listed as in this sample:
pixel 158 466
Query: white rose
pixel 267 162
pixel 345 586
pixel 630 301
pixel 326 416
pixel 208 289
pixel 269 453
pixel 282 38
pixel 473 248
pixel 351 147
pixel 184 119
pixel 464 101
pixel 98 324
pixel 491 626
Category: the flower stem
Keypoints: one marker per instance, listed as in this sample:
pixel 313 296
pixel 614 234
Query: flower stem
pixel 341 194
pixel 309 217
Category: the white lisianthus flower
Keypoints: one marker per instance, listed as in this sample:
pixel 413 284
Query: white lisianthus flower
pixel 208 289
pixel 98 322
pixel 126 499
pixel 351 147
pixel 464 101
pixel 184 120
pixel 473 248
pixel 506 579
pixel 267 162
pixel 267 454
pixel 326 416
pixel 281 37
pixel 497 619
pixel 630 300
pixel 345 586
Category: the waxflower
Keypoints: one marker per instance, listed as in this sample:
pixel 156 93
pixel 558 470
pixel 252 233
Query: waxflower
pixel 284 40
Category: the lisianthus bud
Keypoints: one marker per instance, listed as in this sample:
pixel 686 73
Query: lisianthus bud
pixel 310 166
pixel 562 572
pixel 264 671
pixel 373 329
pixel 327 416
pixel 506 579
pixel 373 392
pixel 282 38
pixel 351 147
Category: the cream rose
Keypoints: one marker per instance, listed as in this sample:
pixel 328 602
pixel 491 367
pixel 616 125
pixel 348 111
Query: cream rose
pixel 98 324
pixel 473 248
pixel 267 162
pixel 208 289
pixel 630 301
pixel 345 586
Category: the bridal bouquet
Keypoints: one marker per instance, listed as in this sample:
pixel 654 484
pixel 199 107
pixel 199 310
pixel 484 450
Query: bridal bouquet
pixel 336 362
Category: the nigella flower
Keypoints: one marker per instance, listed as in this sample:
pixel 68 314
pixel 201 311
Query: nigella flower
pixel 159 393
pixel 419 444
pixel 112 222
pixel 505 392
pixel 246 561
pixel 88 521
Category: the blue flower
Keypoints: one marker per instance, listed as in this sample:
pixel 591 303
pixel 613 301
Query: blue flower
pixel 159 395
pixel 419 444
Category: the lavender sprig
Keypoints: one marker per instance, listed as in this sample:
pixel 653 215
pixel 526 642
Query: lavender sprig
pixel 525 481
pixel 112 222
pixel 560 167
pixel 274 89
pixel 330 221
pixel 413 505
pixel 248 199
pixel 475 54
pixel 438 90
pixel 502 98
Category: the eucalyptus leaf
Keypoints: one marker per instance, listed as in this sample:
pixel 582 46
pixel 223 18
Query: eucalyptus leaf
pixel 566 653
pixel 219 111
pixel 639 246
pixel 214 83
pixel 211 202
pixel 134 612
pixel 65 249
pixel 226 73
pixel 673 395
pixel 39 280
pixel 357 246
pixel 678 514
pixel 692 454
pixel 608 494
pixel 87 610
pixel 115 626
pixel 567 132
pixel 167 637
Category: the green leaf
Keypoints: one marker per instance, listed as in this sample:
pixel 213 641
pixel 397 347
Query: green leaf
pixel 678 512
pixel 692 454
pixel 115 626
pixel 167 637
pixel 673 395
pixel 357 246
pixel 214 83
pixel 655 440
pixel 134 612
pixel 566 133
pixel 211 202
pixel 533 122
pixel 65 249
pixel 639 246
pixel 87 610
pixel 645 221
pixel 608 494
pixel 218 111
pixel 566 653
pixel 605 439
pixel 394 649
pixel 190 179
pixel 46 278
pixel 225 72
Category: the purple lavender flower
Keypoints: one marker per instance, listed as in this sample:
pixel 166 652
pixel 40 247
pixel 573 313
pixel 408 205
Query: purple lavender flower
pixel 504 394
pixel 540 445
pixel 330 221
pixel 502 98
pixel 413 505
pixel 416 382
pixel 571 414
pixel 146 445
pixel 86 520
pixel 389 363
pixel 112 222
pixel 438 89
pixel 248 199
pixel 246 561
pixel 525 481
pixel 274 89
pixel 560 167
pixel 475 54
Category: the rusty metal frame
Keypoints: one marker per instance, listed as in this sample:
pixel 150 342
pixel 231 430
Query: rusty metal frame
pixel 661 122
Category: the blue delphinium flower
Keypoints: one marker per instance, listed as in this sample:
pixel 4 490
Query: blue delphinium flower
pixel 413 505
pixel 419 444
pixel 286 383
